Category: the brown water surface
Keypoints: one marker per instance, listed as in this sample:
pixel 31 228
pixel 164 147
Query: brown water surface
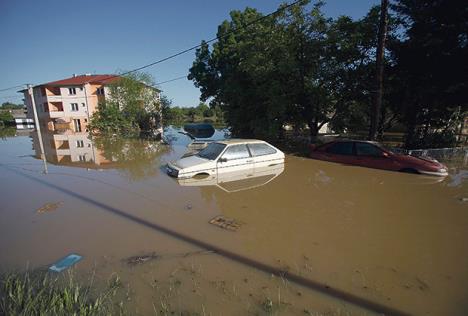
pixel 313 238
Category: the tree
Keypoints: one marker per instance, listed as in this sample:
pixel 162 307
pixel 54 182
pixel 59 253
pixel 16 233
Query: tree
pixel 132 106
pixel 166 108
pixel 379 69
pixel 237 75
pixel 6 118
pixel 11 106
pixel 431 67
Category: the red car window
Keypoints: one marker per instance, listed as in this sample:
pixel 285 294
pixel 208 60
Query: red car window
pixel 341 148
pixel 366 149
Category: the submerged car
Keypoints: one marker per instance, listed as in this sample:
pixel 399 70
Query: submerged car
pixel 226 156
pixel 373 155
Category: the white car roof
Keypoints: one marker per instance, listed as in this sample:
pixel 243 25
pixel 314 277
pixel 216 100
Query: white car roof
pixel 239 141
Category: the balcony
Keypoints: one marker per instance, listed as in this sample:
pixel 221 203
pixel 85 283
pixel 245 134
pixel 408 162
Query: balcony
pixel 53 109
pixel 62 144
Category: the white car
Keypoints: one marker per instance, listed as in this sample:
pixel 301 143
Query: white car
pixel 227 156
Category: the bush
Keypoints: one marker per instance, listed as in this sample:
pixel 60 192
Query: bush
pixel 433 139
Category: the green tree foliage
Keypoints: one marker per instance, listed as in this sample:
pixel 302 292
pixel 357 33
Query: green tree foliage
pixel 301 68
pixel 432 67
pixel 298 67
pixel 6 118
pixel 131 107
pixel 192 114
pixel 11 106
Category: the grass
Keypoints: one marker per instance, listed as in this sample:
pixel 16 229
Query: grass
pixel 43 293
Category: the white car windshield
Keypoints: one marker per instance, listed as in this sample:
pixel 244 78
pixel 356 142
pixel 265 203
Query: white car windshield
pixel 212 151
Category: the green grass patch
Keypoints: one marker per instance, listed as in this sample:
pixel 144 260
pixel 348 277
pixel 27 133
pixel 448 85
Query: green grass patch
pixel 44 293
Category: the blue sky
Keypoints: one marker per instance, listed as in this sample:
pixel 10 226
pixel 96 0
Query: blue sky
pixel 50 40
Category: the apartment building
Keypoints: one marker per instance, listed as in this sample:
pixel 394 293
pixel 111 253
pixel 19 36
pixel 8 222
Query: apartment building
pixel 68 104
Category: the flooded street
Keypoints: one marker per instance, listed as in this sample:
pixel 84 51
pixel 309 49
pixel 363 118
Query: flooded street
pixel 307 238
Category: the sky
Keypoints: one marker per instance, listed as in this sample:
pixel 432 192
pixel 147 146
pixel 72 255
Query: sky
pixel 50 40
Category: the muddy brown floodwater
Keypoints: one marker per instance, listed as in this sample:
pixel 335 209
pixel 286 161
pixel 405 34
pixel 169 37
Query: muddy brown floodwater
pixel 306 238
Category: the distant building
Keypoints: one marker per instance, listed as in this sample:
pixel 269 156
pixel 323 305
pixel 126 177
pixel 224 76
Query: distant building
pixel 21 119
pixel 70 103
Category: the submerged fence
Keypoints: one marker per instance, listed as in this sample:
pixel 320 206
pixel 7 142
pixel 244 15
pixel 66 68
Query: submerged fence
pixel 456 154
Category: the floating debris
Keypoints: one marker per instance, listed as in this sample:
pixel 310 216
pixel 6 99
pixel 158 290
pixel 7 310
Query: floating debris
pixel 65 263
pixel 48 207
pixel 423 286
pixel 225 223
pixel 141 259
pixel 464 199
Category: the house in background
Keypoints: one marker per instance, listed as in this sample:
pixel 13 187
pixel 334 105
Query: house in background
pixel 21 119
pixel 68 104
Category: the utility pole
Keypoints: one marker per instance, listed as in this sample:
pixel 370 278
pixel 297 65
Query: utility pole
pixel 379 67
pixel 38 126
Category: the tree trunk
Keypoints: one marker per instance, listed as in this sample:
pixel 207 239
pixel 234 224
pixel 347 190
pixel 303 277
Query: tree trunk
pixel 377 98
pixel 410 127
pixel 313 131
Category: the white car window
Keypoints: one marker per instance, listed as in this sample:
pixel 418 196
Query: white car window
pixel 212 151
pixel 261 149
pixel 236 152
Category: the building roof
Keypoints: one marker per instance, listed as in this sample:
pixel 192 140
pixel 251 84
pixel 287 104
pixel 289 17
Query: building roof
pixel 82 79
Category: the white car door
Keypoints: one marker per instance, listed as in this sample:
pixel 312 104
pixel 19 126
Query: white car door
pixel 235 158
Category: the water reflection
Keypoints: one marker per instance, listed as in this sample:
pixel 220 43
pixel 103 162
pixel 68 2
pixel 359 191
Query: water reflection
pixel 237 181
pixel 392 238
pixel 135 158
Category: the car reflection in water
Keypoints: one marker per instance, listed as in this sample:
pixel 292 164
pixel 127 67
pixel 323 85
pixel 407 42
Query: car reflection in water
pixel 238 180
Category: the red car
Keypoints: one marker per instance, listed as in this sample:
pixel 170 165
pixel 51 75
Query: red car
pixel 373 155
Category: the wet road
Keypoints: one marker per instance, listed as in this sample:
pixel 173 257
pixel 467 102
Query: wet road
pixel 361 239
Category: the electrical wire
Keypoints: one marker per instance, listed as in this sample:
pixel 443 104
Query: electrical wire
pixel 15 87
pixel 11 96
pixel 170 80
pixel 196 46
pixel 208 41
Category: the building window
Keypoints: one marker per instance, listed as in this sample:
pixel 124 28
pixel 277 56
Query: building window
pixel 72 91
pixel 74 106
pixel 100 91
pixel 83 105
pixel 79 144
pixel 77 125
pixel 82 158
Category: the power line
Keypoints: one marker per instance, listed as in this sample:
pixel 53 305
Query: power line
pixel 11 96
pixel 197 46
pixel 208 41
pixel 15 87
pixel 170 80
